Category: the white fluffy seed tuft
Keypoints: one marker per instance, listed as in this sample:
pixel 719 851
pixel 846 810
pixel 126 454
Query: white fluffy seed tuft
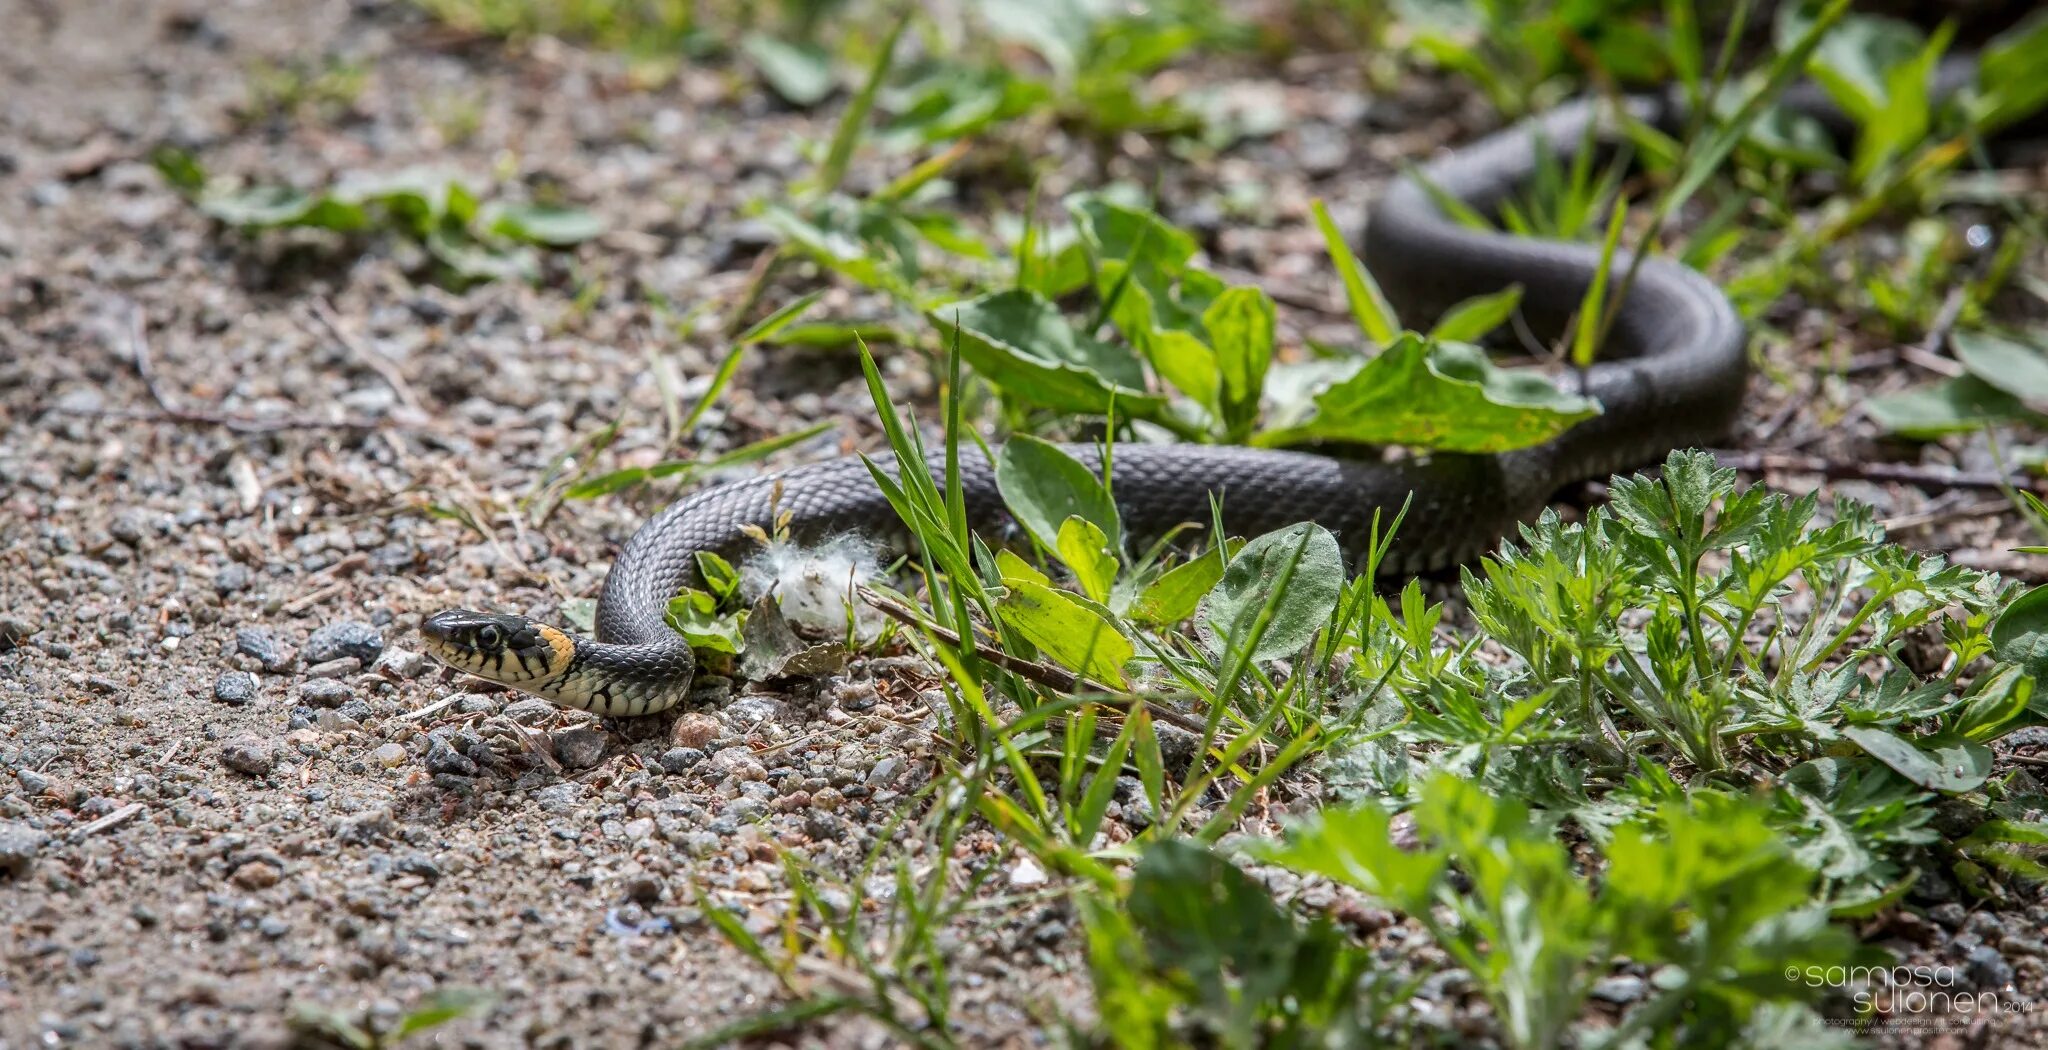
pixel 815 582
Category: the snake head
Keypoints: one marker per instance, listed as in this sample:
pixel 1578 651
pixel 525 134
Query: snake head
pixel 498 646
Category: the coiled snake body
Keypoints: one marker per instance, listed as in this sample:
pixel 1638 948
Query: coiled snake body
pixel 1671 375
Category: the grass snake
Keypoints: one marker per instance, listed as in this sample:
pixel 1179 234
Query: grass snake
pixel 1671 375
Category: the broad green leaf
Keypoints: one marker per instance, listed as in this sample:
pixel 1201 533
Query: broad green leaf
pixel 1086 551
pixel 1010 565
pixel 1114 230
pixel 1317 578
pixel 425 200
pixel 605 484
pixel 2009 73
pixel 1471 320
pixel 266 206
pixel 1025 346
pixel 800 73
pixel 550 225
pixel 2021 634
pixel 1854 60
pixel 1178 592
pixel 1446 397
pixel 1368 304
pixel 1044 486
pixel 1995 705
pixel 718 575
pixel 1952 406
pixel 1949 764
pixel 2019 369
pixel 472 261
pixel 694 615
pixel 1240 325
pixel 834 249
pixel 1907 111
pixel 1155 297
pixel 1075 634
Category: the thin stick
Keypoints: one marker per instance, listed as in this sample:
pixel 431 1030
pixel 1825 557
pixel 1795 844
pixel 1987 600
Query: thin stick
pixel 385 368
pixel 1979 509
pixel 1044 674
pixel 437 705
pixel 1937 478
pixel 172 412
pixel 116 818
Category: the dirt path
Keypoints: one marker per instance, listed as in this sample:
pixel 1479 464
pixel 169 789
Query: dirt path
pixel 229 783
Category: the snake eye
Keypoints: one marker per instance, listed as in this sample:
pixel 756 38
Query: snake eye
pixel 489 636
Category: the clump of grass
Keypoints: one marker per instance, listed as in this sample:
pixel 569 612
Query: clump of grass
pixel 471 239
pixel 1709 685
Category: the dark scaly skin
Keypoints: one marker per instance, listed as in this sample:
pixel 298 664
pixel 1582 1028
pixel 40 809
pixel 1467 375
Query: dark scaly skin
pixel 1671 376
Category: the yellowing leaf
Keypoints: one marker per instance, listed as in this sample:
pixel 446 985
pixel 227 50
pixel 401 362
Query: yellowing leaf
pixel 1087 552
pixel 1075 634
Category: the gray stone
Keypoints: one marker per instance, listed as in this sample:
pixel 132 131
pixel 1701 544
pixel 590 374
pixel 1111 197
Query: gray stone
pixel 680 759
pixel 337 668
pixel 235 687
pixel 232 577
pixel 13 631
pixel 578 748
pixel 560 798
pixel 530 711
pixel 742 810
pixel 128 527
pixel 249 754
pixel 32 783
pixel 405 663
pixel 1621 990
pixel 344 638
pixel 19 844
pixel 266 649
pixel 324 692
pixel 443 758
pixel 1988 968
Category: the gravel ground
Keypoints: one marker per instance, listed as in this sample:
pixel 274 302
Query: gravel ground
pixel 229 781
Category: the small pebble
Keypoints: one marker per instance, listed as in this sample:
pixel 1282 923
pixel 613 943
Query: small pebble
pixel 680 759
pixel 324 692
pixel 443 758
pixel 405 663
pixel 267 650
pixel 333 668
pixel 530 711
pixel 235 687
pixel 18 846
pixel 388 755
pixel 344 638
pixel 13 631
pixel 255 875
pixel 694 729
pixel 249 754
pixel 32 783
pixel 578 748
